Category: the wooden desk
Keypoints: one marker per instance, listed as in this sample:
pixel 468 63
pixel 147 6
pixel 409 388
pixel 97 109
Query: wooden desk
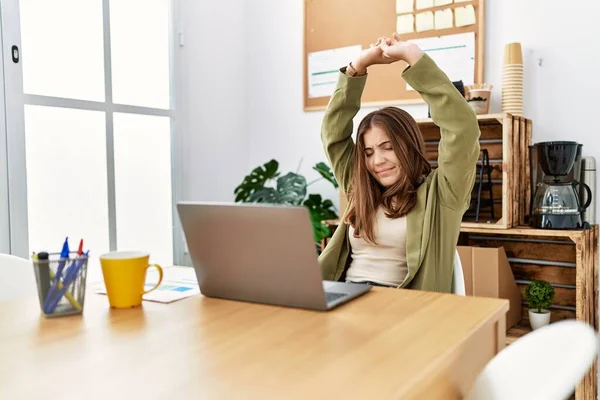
pixel 387 344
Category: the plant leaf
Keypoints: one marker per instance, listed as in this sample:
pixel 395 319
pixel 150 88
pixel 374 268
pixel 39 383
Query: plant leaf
pixel 264 195
pixel 256 180
pixel 319 211
pixel 539 294
pixel 320 230
pixel 291 188
pixel 322 210
pixel 326 173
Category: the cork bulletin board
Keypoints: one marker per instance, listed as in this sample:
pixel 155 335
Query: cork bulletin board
pixel 335 31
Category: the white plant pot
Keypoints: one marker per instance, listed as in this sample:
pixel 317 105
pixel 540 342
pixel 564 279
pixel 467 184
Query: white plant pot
pixel 537 320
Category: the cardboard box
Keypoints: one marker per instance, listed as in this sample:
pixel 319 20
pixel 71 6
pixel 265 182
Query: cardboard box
pixel 488 274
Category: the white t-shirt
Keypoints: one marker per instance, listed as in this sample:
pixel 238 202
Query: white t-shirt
pixel 384 262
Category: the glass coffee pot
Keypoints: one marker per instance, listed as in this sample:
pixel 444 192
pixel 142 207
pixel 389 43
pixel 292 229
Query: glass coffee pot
pixel 557 204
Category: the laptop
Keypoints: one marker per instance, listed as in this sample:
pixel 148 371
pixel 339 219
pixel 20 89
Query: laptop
pixel 259 253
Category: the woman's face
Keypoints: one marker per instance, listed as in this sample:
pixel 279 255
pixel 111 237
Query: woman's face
pixel 380 158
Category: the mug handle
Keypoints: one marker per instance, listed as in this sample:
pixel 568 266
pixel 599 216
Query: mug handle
pixel 160 276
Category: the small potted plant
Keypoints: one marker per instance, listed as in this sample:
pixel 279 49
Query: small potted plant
pixel 479 95
pixel 540 295
pixel 479 105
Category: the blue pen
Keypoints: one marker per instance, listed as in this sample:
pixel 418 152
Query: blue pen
pixel 64 256
pixel 70 276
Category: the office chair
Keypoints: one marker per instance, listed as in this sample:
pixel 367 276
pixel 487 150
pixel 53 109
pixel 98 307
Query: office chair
pixel 545 364
pixel 17 279
pixel 458 277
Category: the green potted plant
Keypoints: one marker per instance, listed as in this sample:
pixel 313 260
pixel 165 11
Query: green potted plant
pixel 479 105
pixel 265 184
pixel 540 295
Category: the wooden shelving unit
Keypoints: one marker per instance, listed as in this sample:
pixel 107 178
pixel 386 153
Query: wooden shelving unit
pixel 507 139
pixel 566 259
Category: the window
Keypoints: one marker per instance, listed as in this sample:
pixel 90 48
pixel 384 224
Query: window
pixel 98 124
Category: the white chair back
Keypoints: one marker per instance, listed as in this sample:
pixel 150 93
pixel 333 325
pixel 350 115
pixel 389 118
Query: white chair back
pixel 458 277
pixel 17 278
pixel 545 364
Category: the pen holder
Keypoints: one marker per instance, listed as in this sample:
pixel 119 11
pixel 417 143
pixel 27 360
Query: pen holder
pixel 61 283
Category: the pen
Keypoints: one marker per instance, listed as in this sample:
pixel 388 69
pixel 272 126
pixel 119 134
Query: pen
pixel 44 271
pixel 70 276
pixel 67 294
pixel 64 257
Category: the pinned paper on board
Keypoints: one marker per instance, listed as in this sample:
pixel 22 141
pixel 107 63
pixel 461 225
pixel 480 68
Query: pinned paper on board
pixel 425 21
pixel 424 4
pixel 405 24
pixel 442 2
pixel 454 54
pixel 443 19
pixel 324 68
pixel 404 6
pixel 465 16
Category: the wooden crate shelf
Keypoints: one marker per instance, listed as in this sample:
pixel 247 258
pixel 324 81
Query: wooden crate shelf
pixel 507 139
pixel 566 259
pixel 521 329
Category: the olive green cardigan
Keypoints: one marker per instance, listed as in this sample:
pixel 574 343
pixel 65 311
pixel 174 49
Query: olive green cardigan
pixel 433 224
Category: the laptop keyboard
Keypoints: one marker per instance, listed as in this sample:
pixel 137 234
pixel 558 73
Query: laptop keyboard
pixel 333 296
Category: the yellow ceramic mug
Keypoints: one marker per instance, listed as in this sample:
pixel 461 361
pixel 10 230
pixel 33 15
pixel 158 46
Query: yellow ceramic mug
pixel 124 276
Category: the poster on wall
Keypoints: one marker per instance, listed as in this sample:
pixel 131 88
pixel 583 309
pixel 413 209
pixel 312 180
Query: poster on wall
pixel 454 54
pixel 324 67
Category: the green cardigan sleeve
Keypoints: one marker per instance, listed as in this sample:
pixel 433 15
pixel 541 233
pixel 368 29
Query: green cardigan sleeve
pixel 459 145
pixel 337 127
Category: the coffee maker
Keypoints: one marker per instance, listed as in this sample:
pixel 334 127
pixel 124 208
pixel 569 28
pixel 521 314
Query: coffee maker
pixel 555 187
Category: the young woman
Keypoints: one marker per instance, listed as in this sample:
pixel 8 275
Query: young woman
pixel 403 218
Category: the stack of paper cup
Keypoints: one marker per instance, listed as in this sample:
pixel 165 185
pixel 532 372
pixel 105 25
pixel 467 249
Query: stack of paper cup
pixel 512 79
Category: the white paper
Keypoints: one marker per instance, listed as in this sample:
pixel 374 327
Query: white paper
pixel 324 68
pixel 461 1
pixel 178 283
pixel 465 15
pixel 405 24
pixel 442 2
pixel 425 21
pixel 424 4
pixel 454 54
pixel 443 19
pixel 404 6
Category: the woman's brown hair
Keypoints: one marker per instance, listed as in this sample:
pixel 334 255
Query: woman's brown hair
pixel 366 194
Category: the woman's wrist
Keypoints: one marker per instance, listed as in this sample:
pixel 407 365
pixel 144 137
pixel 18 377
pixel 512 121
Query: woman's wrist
pixel 413 54
pixel 359 66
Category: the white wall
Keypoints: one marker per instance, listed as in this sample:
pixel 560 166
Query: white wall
pixel 560 95
pixel 211 139
pixel 240 75
pixel 276 121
